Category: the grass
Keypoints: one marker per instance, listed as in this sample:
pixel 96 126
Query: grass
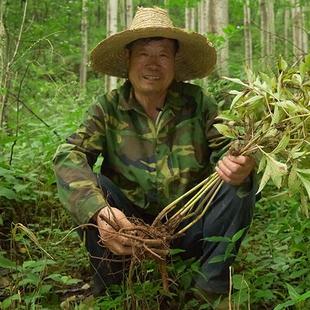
pixel 271 268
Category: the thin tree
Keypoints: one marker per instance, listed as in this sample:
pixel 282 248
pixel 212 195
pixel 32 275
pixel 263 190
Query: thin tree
pixel 7 60
pixel 287 17
pixel 84 46
pixel 300 37
pixel 247 34
pixel 267 30
pixel 220 21
pixel 128 15
pixel 111 81
pixel 187 16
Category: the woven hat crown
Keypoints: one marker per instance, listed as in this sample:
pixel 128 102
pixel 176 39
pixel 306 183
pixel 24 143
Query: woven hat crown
pixel 151 17
pixel 196 56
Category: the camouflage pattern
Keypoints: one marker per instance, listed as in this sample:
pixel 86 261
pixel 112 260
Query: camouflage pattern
pixel 152 163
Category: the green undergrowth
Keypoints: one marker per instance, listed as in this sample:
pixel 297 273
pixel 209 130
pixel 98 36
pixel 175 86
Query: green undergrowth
pixel 271 270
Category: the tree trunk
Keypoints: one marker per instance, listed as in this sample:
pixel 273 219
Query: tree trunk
pixel 3 61
pixel 111 81
pixel 220 21
pixel 286 32
pixel 300 37
pixel 187 17
pixel 84 46
pixel 193 19
pixel 7 59
pixel 304 29
pixel 247 34
pixel 267 30
pixel 128 13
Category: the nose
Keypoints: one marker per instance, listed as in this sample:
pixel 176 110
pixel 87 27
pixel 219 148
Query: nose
pixel 153 61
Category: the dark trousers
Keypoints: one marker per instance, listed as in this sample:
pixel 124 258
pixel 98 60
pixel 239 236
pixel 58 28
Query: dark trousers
pixel 227 215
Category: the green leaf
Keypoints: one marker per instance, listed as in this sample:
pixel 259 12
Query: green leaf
pixel 282 144
pixel 238 282
pixel 217 239
pixel 238 235
pixel 224 130
pixel 274 170
pixel 253 99
pixel 293 181
pixel 266 176
pixel 305 179
pixel 237 81
pixel 278 171
pixel 7 193
pixel 217 259
pixel 6 263
pixel 176 251
pixel 6 303
pixel 262 164
pixel 227 116
pixel 282 64
pixel 236 99
pixel 292 292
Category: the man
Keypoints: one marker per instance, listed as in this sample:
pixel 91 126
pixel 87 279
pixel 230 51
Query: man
pixel 156 137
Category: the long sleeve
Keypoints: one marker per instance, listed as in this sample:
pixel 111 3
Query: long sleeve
pixel 77 184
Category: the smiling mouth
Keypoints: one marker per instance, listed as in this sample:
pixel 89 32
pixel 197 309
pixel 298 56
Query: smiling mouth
pixel 151 77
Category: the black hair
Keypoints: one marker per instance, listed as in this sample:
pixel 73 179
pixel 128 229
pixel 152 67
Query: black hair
pixel 147 40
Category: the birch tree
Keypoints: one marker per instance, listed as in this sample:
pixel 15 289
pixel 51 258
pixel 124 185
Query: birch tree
pixel 247 34
pixel 287 17
pixel 84 46
pixel 220 20
pixel 300 37
pixel 128 8
pixel 267 30
pixel 111 81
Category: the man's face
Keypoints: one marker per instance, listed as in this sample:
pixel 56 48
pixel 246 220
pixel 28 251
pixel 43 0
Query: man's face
pixel 151 66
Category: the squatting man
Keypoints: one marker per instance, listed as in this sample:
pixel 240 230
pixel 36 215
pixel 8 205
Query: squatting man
pixel 155 135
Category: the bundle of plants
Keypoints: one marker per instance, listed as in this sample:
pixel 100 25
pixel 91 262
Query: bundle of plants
pixel 269 119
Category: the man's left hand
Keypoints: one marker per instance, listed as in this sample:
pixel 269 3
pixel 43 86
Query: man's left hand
pixel 235 169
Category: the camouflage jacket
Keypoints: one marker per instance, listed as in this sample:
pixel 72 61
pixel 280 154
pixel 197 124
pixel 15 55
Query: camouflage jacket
pixel 151 163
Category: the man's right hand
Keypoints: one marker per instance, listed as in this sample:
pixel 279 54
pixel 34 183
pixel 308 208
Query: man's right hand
pixel 110 221
pixel 117 244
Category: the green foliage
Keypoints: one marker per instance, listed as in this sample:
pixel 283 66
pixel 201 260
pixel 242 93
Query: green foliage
pixel 270 117
pixel 274 264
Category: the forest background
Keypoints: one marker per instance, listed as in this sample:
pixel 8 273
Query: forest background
pixel 46 84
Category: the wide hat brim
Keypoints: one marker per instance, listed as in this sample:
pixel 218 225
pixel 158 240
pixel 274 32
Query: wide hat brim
pixel 196 56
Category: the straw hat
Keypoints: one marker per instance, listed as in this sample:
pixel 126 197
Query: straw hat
pixel 196 57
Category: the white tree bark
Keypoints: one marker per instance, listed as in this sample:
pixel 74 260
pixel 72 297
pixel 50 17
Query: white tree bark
pixel 220 21
pixel 187 17
pixel 193 19
pixel 287 17
pixel 111 81
pixel 128 13
pixel 84 46
pixel 298 30
pixel 200 17
pixel 267 30
pixel 247 34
